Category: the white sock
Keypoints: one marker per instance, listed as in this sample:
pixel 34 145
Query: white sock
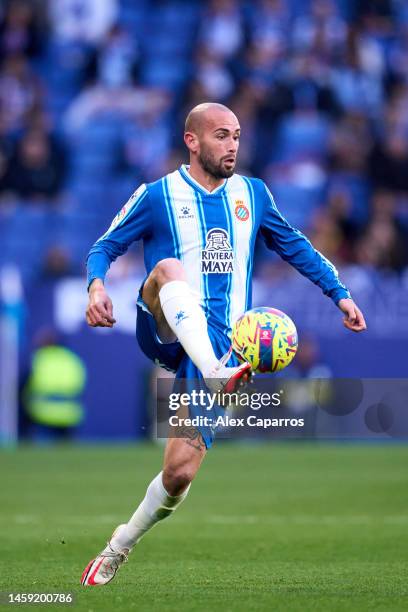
pixel 187 320
pixel 156 506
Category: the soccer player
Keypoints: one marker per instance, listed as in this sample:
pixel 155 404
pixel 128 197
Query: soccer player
pixel 198 225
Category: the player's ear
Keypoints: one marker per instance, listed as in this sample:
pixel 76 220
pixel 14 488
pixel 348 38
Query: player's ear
pixel 191 141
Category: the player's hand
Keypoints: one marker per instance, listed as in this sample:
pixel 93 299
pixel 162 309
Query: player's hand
pixel 354 319
pixel 100 309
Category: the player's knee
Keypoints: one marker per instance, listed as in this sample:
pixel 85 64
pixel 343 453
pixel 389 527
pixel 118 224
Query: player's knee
pixel 177 479
pixel 167 270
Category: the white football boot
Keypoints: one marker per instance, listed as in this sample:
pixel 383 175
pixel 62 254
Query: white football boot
pixel 103 568
pixel 223 379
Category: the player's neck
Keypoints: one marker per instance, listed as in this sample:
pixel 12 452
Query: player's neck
pixel 202 177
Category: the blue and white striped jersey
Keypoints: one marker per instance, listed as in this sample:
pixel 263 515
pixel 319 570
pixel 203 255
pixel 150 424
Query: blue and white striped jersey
pixel 213 234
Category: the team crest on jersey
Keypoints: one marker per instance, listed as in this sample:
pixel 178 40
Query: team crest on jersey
pixel 218 256
pixel 241 211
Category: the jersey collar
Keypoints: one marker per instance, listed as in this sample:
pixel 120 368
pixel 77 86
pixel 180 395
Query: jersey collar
pixel 193 183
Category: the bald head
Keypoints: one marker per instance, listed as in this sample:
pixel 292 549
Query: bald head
pixel 212 136
pixel 204 115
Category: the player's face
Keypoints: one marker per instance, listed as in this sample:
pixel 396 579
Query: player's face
pixel 219 143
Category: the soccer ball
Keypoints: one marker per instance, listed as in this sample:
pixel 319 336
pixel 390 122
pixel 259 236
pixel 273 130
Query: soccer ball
pixel 266 338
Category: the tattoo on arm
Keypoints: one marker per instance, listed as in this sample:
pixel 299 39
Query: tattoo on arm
pixel 192 437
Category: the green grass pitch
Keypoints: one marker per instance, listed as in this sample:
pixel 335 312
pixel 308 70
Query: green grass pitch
pixel 266 527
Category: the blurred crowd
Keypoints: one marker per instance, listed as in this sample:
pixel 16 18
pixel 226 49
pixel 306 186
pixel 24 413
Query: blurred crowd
pixel 93 94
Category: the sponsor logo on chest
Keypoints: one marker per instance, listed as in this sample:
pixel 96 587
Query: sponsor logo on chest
pixel 217 257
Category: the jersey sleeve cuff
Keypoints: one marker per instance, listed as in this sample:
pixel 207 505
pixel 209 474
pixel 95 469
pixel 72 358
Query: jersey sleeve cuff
pixel 340 294
pixel 91 280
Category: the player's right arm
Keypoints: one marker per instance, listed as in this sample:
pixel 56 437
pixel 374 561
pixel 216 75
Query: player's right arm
pixel 133 222
pixel 99 312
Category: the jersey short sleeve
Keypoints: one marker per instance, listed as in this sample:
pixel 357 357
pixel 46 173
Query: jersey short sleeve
pixel 296 249
pixel 133 222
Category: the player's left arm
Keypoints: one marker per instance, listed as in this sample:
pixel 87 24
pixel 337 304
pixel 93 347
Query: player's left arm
pixel 354 318
pixel 296 249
